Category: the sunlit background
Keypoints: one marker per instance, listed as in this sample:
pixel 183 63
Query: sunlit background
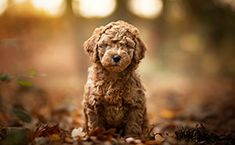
pixel 85 8
pixel 190 55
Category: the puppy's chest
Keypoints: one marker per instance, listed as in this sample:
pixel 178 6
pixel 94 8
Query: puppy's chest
pixel 115 114
pixel 114 100
pixel 115 93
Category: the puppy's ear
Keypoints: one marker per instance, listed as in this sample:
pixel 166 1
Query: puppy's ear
pixel 90 45
pixel 140 50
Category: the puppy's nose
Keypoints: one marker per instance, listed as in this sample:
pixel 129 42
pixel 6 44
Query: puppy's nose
pixel 116 58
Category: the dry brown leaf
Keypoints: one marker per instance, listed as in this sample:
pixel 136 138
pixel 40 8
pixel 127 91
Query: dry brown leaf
pixel 167 114
pixel 159 138
pixel 151 142
pixel 46 130
pixel 55 137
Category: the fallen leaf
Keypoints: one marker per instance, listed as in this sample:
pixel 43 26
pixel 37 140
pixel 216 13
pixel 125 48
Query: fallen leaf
pixel 46 130
pixel 97 131
pixel 22 115
pixel 159 138
pixel 167 114
pixel 151 142
pixel 55 137
pixel 16 136
pixel 130 140
pixel 78 132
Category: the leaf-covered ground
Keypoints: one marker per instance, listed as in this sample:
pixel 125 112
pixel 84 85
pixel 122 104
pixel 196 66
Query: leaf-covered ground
pixel 29 114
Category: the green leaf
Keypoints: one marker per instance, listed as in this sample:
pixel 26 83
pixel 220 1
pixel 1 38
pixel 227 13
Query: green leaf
pixel 16 136
pixel 22 115
pixel 4 77
pixel 33 73
pixel 25 83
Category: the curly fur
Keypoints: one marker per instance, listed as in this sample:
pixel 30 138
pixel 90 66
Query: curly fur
pixel 114 96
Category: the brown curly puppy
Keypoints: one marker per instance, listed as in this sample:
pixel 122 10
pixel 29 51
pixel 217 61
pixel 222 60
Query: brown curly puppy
pixel 114 96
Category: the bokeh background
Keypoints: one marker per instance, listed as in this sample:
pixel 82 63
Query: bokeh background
pixel 188 70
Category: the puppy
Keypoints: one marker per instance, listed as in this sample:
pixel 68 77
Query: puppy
pixel 114 96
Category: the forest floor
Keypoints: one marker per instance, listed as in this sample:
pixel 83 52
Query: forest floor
pixel 202 113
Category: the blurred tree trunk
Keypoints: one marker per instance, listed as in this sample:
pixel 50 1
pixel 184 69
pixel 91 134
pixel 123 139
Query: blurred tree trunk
pixel 218 23
pixel 122 11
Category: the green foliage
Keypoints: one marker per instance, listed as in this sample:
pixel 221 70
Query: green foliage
pixel 25 83
pixel 32 73
pixel 22 115
pixel 16 136
pixel 4 77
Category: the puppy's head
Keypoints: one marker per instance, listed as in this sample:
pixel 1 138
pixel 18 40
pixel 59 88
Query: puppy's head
pixel 116 46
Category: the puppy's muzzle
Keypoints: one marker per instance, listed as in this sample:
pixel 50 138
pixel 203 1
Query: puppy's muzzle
pixel 116 58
